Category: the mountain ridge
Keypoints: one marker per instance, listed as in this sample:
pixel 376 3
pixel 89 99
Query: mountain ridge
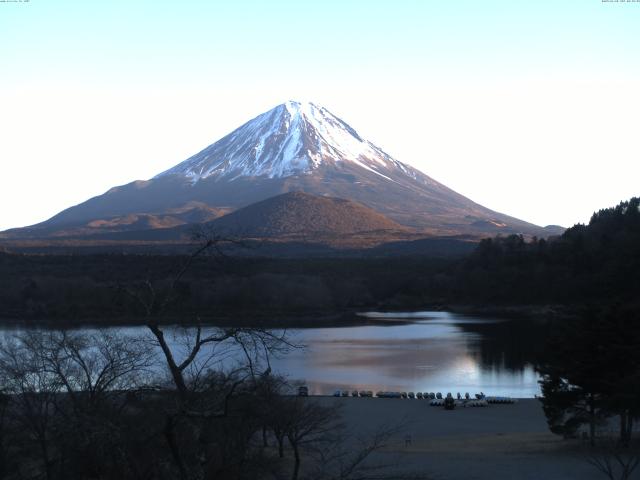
pixel 293 147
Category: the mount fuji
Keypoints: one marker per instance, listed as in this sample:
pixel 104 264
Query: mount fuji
pixel 295 146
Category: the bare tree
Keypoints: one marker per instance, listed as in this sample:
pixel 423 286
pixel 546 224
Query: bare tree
pixel 4 402
pixel 351 459
pixel 67 390
pixel 191 359
pixel 33 393
pixel 90 367
pixel 613 458
pixel 318 436
pixel 310 426
pixel 254 344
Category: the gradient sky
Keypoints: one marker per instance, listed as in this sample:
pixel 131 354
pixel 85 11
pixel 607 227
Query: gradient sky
pixel 531 108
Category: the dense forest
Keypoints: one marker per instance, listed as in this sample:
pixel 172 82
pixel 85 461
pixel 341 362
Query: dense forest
pixel 598 262
pixel 595 262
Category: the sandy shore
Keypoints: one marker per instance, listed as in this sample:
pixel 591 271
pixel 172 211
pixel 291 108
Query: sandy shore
pixel 494 442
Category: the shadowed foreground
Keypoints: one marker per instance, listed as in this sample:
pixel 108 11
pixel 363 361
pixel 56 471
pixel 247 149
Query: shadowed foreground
pixel 499 441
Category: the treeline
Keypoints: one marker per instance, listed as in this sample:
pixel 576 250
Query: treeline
pixel 597 262
pixel 91 287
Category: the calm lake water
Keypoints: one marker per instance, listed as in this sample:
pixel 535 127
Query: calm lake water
pixel 418 351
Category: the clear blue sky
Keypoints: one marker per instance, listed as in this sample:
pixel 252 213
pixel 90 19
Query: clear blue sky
pixel 530 108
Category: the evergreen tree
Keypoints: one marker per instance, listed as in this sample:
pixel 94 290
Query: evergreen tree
pixel 592 371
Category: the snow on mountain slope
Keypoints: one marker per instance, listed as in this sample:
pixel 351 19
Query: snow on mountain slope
pixel 293 147
pixel 293 138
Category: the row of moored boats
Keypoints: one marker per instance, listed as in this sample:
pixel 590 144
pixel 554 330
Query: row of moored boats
pixel 437 399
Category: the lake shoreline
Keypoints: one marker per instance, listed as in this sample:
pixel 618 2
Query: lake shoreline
pixel 270 321
pixel 309 319
pixel 403 351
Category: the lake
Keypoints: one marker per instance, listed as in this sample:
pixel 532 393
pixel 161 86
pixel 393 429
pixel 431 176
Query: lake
pixel 417 351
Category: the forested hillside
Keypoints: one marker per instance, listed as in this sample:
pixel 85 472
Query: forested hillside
pixel 595 262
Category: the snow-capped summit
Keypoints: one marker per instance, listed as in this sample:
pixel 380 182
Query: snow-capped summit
pixel 296 146
pixel 292 138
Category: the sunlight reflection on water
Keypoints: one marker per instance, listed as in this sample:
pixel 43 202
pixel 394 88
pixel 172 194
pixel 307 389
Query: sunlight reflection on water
pixel 431 353
pixel 405 351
